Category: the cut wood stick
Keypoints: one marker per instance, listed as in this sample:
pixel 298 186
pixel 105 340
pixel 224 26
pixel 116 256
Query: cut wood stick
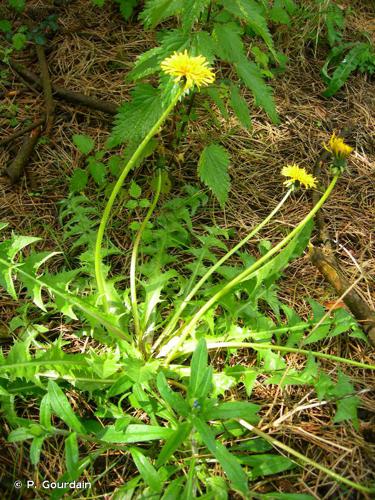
pixel 68 95
pixel 47 88
pixel 21 132
pixel 16 168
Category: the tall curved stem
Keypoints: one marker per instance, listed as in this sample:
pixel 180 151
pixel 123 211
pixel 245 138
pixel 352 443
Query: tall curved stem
pixel 100 280
pixel 133 264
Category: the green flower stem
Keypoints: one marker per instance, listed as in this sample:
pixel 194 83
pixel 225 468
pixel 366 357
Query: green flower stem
pixel 246 274
pixel 133 264
pixel 107 211
pixel 302 458
pixel 281 348
pixel 177 314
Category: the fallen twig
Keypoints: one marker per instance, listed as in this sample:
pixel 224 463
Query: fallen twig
pixel 15 169
pixel 47 88
pixel 21 132
pixel 69 95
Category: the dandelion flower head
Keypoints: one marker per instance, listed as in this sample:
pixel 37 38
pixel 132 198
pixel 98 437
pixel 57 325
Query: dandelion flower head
pixel 298 176
pixel 337 147
pixel 192 70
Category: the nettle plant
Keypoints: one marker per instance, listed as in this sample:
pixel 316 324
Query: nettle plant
pixel 235 33
pixel 144 361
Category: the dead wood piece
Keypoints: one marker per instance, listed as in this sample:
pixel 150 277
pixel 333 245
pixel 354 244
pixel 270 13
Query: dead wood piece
pixel 69 95
pixel 16 168
pixel 328 267
pixel 21 132
pixel 47 88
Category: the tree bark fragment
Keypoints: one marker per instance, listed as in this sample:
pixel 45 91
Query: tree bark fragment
pixel 16 168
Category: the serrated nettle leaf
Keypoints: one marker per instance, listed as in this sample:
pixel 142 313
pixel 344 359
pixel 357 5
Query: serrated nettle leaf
pixel 253 79
pixel 280 11
pixel 191 12
pixel 347 410
pixel 228 42
pixel 147 470
pixel 135 190
pixel 202 44
pixel 97 170
pixel 215 95
pixel 250 11
pixel 114 164
pixel 5 26
pixel 149 62
pixel 84 143
pixel 136 117
pixel 126 7
pixel 213 171
pixel 240 107
pixel 19 41
pixel 156 11
pixel 79 180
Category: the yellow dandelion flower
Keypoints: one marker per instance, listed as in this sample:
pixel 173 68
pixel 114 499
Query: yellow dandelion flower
pixel 298 176
pixel 337 147
pixel 192 70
